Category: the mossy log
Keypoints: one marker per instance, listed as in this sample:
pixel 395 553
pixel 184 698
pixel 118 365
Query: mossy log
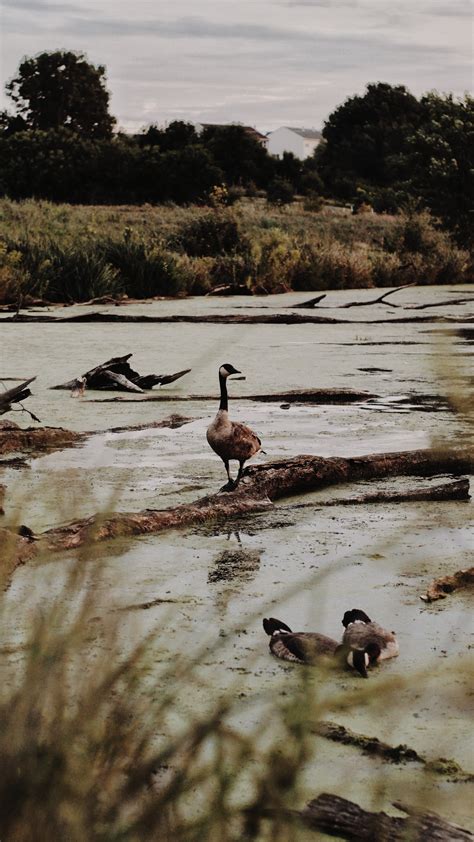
pixel 260 486
pixel 440 588
pixel 17 439
pixel 392 754
pixel 339 817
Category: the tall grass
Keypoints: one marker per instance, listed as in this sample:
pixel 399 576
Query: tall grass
pixel 68 254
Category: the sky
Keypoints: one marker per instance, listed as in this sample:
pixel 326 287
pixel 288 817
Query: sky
pixel 265 63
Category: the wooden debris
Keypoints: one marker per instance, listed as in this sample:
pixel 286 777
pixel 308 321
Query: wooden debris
pixel 392 754
pixel 117 374
pixel 381 299
pixel 260 486
pixel 440 588
pixel 2 498
pixel 339 817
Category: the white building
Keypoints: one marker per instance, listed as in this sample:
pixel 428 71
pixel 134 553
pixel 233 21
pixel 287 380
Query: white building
pixel 302 142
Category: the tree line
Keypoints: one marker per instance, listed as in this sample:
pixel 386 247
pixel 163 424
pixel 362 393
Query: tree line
pixel 386 148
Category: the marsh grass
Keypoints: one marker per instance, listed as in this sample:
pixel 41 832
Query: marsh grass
pixel 75 253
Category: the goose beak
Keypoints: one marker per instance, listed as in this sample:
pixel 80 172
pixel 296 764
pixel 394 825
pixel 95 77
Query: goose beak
pixel 242 377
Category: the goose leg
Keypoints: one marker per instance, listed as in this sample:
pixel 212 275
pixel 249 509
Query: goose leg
pixel 229 486
pixel 239 475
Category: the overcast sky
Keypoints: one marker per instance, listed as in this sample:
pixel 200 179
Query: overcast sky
pixel 263 62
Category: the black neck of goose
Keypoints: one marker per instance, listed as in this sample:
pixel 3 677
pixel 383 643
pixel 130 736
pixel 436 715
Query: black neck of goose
pixel 224 404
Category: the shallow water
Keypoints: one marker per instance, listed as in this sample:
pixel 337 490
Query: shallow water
pixel 221 578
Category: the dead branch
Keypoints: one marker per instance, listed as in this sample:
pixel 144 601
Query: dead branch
pixel 260 486
pixel 313 302
pixel 14 395
pixel 392 754
pixel 440 588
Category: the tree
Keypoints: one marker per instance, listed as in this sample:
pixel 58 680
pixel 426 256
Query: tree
pixel 242 158
pixel 62 90
pixel 442 161
pixel 366 139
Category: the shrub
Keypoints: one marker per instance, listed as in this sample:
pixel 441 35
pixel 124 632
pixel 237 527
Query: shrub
pixel 313 203
pixel 210 235
pixel 145 269
pixel 280 192
pixel 59 272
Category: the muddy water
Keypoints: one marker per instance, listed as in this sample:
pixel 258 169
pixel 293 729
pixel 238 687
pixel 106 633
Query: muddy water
pixel 217 582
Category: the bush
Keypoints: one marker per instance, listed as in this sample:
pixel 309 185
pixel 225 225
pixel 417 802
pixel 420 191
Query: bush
pixel 280 192
pixel 212 234
pixel 64 273
pixel 145 269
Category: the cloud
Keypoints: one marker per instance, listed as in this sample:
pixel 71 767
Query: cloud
pixel 43 6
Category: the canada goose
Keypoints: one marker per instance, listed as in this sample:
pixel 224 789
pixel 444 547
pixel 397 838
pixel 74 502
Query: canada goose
pixel 308 647
pixel 231 439
pixel 361 632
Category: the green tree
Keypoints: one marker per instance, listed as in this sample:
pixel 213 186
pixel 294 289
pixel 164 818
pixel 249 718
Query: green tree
pixel 366 139
pixel 62 90
pixel 442 161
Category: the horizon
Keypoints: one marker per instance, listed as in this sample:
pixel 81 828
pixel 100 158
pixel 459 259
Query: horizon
pixel 276 63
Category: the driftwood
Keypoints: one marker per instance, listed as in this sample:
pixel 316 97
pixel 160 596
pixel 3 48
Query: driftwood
pixel 15 395
pixel 440 588
pixel 260 486
pixel 340 817
pixel 315 396
pixel 118 374
pixel 392 754
pixel 2 498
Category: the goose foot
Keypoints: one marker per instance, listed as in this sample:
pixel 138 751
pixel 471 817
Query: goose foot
pixel 229 486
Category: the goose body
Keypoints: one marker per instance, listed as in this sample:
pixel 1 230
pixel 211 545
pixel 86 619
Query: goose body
pixel 311 647
pixel 231 439
pixel 362 632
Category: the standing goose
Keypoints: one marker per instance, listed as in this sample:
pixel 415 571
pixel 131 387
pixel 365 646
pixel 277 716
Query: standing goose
pixel 361 632
pixel 310 647
pixel 231 439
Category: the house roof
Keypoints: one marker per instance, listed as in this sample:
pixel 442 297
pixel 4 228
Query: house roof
pixel 308 134
pixel 248 129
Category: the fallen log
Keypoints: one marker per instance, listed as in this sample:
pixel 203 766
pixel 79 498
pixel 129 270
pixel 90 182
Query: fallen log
pixel 260 486
pixel 2 498
pixel 392 754
pixel 339 817
pixel 440 588
pixel 117 374
pixel 316 396
pixel 313 302
pixel 227 318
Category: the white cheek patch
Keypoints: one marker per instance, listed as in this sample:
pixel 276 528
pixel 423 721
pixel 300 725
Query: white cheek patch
pixel 350 659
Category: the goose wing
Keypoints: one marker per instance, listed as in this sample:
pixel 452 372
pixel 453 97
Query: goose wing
pixel 243 441
pixel 359 635
pixel 307 646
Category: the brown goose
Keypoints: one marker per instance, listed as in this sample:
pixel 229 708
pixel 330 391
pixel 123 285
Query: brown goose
pixel 309 647
pixel 361 632
pixel 231 439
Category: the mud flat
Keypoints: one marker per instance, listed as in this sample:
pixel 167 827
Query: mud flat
pixel 207 586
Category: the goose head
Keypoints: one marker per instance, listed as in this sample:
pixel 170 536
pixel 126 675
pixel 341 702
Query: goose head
pixel 360 659
pixel 355 616
pixel 226 370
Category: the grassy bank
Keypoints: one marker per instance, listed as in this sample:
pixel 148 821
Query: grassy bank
pixel 66 253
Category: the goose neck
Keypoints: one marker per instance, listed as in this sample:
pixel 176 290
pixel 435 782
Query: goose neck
pixel 224 404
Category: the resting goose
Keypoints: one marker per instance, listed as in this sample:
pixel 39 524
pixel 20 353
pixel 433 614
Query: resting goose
pixel 231 439
pixel 309 647
pixel 361 632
